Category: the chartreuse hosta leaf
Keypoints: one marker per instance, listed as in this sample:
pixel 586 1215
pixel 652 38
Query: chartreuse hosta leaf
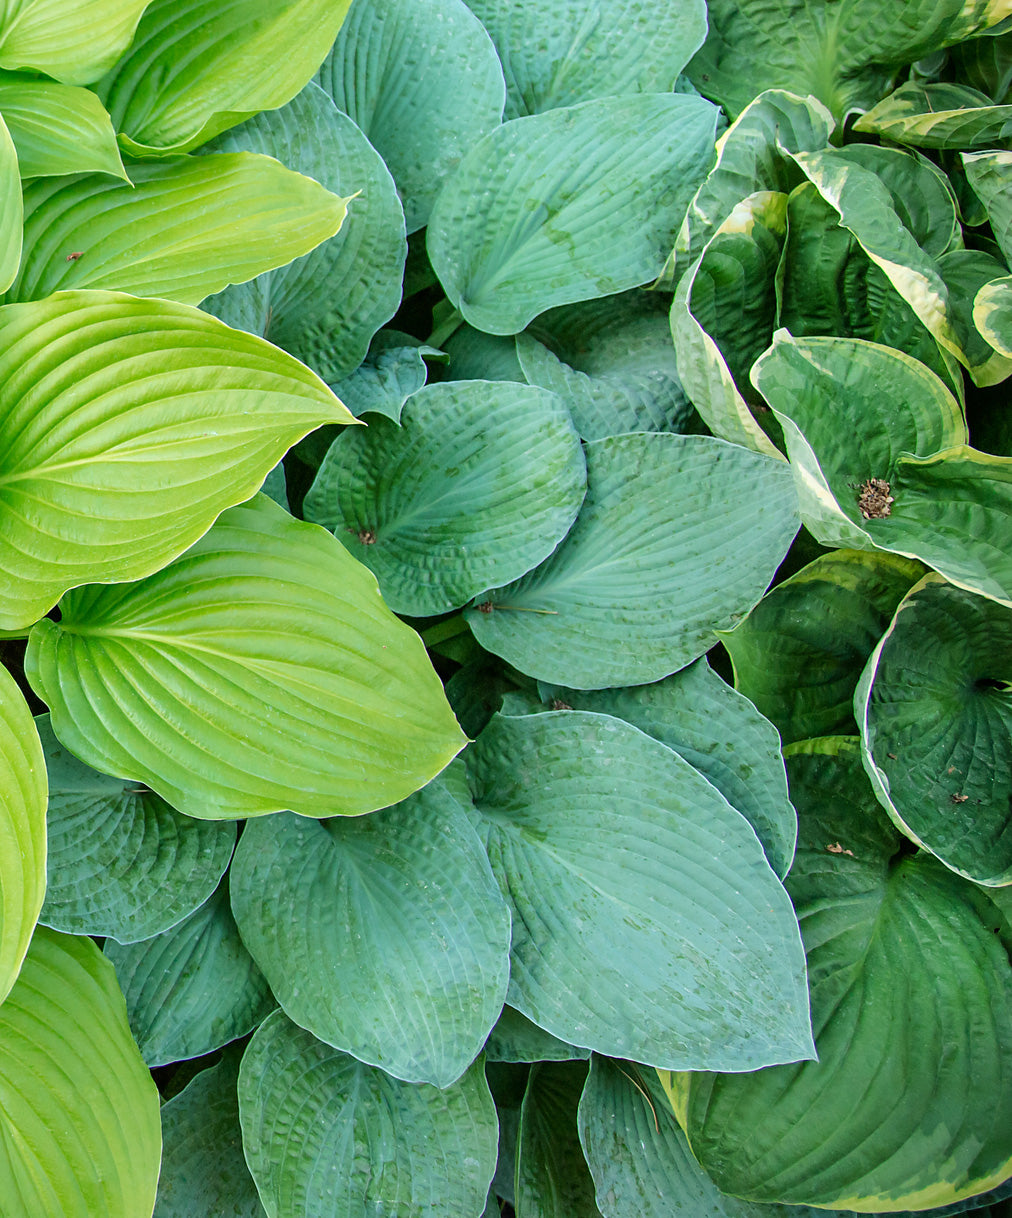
pixel 129 425
pixel 122 863
pixel 656 562
pixel 181 229
pixel 195 69
pixel 990 176
pixel 909 1105
pixel 78 1110
pixel 329 1137
pixel 405 907
pixel 258 672
pixel 422 80
pixel 23 792
pixel 938 115
pixel 974 278
pixel 846 52
pixel 73 43
pixel 57 128
pixel 558 54
pixel 11 207
pixel 934 706
pixel 193 988
pixel 621 864
pixel 478 483
pixel 579 202
pixel 799 653
pixel 552 1177
pixel 324 308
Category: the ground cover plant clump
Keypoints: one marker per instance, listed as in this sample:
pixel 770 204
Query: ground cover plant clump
pixel 505 608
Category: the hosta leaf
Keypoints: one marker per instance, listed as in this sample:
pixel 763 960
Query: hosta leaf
pixel 79 1124
pixel 986 63
pixel 203 1168
pixel 935 712
pixel 992 314
pixel 557 54
pixel 909 1104
pixel 552 1177
pixel 324 308
pixel 122 863
pixel 11 208
pixel 967 273
pixel 631 594
pixel 422 80
pixel 404 906
pixel 328 1137
pixel 478 483
pixel 58 129
pixel 938 115
pixel 579 202
pixel 22 829
pixel 476 356
pixel 180 229
pixel 193 988
pixel 130 425
pixel 605 844
pixel 75 43
pixel 516 1039
pixel 266 630
pixel 990 176
pixel 799 653
pixel 392 371
pixel 195 69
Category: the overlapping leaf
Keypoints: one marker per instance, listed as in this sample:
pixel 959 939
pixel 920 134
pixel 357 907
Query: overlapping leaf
pixel 990 176
pixel 516 1039
pixel 57 128
pixel 75 44
pixel 552 1177
pixel 972 277
pixel 11 208
pixel 938 115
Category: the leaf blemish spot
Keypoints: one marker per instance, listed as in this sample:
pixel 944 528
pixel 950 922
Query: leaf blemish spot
pixel 874 499
pixel 836 848
pixel 75 255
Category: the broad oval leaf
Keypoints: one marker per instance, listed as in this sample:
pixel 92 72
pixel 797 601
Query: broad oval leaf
pixel 57 129
pixel 579 202
pixel 654 565
pixel 273 678
pixel 622 864
pixel 328 1137
pixel 78 1110
pixel 73 43
pixel 478 483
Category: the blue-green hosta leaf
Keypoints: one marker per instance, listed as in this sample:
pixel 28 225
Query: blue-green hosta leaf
pixel 909 1104
pixel 391 372
pixel 129 426
pixel 195 69
pixel 328 1137
pixel 939 115
pixel 478 483
pixel 799 653
pixel 476 356
pixel 407 928
pixel 516 1039
pixel 324 308
pixel 78 1110
pixel 679 536
pixel 57 128
pixel 990 176
pixel 935 711
pixel 181 229
pixel 967 273
pixel 11 208
pixel 73 43
pixel 558 54
pixel 552 1177
pixel 580 202
pixel 23 791
pixel 121 862
pixel 612 363
pixel 258 672
pixel 193 988
pixel 422 80
pixel 623 865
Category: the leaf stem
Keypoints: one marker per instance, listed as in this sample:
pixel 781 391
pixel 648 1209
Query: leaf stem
pixel 444 327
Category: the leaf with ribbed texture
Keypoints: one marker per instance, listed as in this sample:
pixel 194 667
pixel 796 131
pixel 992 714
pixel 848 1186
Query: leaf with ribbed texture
pixel 422 80
pixel 478 483
pixel 516 1039
pixel 203 1168
pixel 193 988
pixel 476 356
pixel 552 1177
pixel 121 862
pixel 131 424
pixel 580 202
pixel 73 43
pixel 57 128
pixel 11 208
pixel 196 68
pixel 679 536
pixel 328 1137
pixel 986 63
pixel 799 653
pixel 935 711
pixel 324 308
pixel 909 1104
pixel 391 372
pixel 967 273
pixel 990 176
pixel 22 829
pixel 622 864
pixel 180 229
pixel 407 926
pixel 938 115
pixel 558 54
pixel 258 672
pixel 79 1126
pixel 612 363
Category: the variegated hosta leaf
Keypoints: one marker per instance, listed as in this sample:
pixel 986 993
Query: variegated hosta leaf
pixel 129 425
pixel 259 671
pixel 57 129
pixel 74 43
pixel 974 277
pixel 938 115
pixel 990 176
pixel 992 314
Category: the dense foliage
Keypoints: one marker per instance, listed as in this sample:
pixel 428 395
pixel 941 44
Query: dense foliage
pixel 380 829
